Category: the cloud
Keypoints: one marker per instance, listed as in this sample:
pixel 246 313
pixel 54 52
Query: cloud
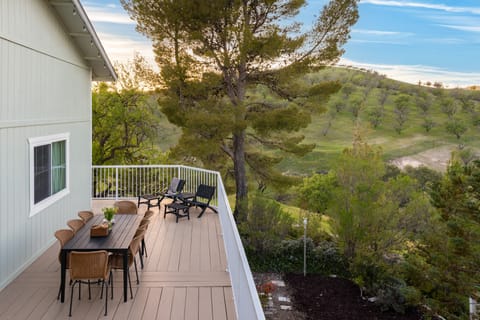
pixel 444 41
pixel 414 73
pixel 462 27
pixel 381 33
pixel 441 7
pixel 123 48
pixel 105 14
pixel 379 41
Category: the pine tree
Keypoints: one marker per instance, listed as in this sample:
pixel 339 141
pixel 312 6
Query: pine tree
pixel 212 54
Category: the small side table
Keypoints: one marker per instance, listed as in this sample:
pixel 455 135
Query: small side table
pixel 175 208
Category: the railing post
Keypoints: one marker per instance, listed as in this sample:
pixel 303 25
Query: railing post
pixel 116 183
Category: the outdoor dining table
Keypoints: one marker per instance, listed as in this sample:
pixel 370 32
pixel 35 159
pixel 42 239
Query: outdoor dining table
pixel 118 241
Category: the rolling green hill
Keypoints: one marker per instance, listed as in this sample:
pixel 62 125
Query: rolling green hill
pixel 366 96
pixel 363 92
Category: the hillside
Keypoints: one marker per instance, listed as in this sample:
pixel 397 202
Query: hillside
pixel 372 105
pixel 366 97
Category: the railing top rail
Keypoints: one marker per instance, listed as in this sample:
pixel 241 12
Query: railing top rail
pixel 136 166
pixel 154 166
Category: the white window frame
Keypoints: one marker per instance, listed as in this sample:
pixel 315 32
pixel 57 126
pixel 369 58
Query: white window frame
pixel 39 141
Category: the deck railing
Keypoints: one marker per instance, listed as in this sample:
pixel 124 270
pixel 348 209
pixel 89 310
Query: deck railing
pixel 123 182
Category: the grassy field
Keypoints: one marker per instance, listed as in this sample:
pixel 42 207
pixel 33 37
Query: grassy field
pixel 412 141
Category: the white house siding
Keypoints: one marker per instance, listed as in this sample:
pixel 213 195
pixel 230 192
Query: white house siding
pixel 44 90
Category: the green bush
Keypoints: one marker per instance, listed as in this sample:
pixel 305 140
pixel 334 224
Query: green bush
pixel 287 256
pixel 266 224
pixel 380 281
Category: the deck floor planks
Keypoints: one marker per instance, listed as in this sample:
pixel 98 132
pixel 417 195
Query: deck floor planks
pixel 139 304
pixel 191 303
pixel 178 304
pixel 214 246
pixel 195 248
pixel 184 263
pixel 165 305
pixel 205 303
pixel 221 246
pixel 43 306
pixel 167 247
pixel 218 304
pixel 176 250
pixel 152 304
pixel 16 306
pixel 229 303
pixel 184 278
pixel 158 229
pixel 32 304
pixel 121 310
pixel 204 248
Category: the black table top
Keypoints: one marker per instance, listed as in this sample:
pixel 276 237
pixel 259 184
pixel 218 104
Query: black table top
pixel 118 239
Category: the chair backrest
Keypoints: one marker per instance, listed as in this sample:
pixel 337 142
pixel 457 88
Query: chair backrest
pixel 75 224
pixel 148 214
pixel 141 230
pixel 63 236
pixel 204 192
pixel 176 185
pixel 85 215
pixel 136 243
pixel 125 207
pixel 144 222
pixel 89 265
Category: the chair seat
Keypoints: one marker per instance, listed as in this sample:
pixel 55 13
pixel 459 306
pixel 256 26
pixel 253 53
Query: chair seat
pixel 150 196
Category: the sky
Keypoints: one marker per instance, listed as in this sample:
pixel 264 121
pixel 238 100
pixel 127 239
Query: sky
pixel 407 40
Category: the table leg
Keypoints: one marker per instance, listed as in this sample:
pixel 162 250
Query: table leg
pixel 125 275
pixel 63 267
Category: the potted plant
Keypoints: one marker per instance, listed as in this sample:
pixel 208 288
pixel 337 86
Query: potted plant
pixel 108 214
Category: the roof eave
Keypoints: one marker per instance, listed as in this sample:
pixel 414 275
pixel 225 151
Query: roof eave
pixel 83 34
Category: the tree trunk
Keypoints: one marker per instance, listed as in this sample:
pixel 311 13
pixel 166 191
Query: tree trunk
pixel 241 196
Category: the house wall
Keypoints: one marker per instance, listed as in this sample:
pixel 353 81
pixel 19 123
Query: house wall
pixel 44 90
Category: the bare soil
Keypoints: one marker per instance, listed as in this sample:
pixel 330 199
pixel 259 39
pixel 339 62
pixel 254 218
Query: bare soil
pixel 436 158
pixel 330 298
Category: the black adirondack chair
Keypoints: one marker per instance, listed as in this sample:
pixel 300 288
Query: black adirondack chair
pixel 154 200
pixel 202 198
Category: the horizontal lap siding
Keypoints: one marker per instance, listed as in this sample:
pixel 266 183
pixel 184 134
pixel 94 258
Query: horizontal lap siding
pixel 44 90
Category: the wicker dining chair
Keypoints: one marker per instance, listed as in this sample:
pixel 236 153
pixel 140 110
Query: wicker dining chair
pixel 75 224
pixel 148 214
pixel 63 236
pixel 116 260
pixel 85 215
pixel 142 229
pixel 87 266
pixel 125 207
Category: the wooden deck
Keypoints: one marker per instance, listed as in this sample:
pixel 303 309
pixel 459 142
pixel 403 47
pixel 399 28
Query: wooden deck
pixel 184 278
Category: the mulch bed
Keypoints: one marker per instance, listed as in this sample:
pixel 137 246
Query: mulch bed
pixel 329 298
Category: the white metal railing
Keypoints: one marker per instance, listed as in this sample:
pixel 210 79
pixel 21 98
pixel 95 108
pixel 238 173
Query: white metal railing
pixel 244 291
pixel 117 182
pixel 123 182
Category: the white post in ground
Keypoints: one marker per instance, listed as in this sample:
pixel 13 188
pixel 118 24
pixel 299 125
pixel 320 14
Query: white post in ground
pixel 305 221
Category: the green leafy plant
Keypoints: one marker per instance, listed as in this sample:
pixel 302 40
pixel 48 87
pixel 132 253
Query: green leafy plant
pixel 109 213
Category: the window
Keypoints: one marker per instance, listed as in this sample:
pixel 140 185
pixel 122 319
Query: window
pixel 49 171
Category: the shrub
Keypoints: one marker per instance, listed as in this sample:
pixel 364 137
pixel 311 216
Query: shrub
pixel 381 282
pixel 266 224
pixel 287 256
